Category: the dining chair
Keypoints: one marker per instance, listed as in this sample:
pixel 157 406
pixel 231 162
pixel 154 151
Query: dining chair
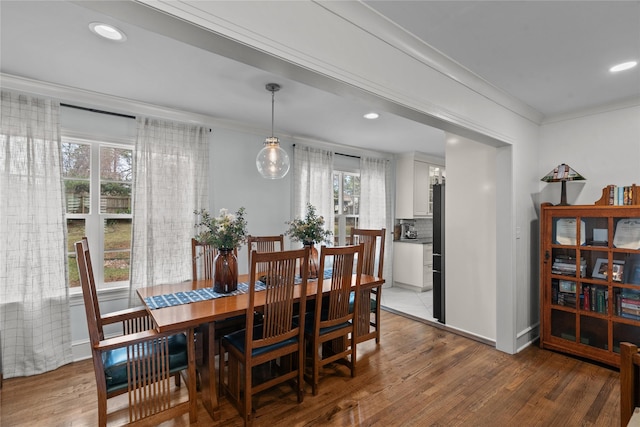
pixel 276 345
pixel 373 240
pixel 140 361
pixel 264 244
pixel 330 328
pixel 202 257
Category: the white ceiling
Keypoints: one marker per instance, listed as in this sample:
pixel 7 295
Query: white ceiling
pixel 553 56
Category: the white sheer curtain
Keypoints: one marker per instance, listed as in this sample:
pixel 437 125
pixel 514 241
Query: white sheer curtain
pixel 170 182
pixel 313 182
pixel 375 201
pixel 34 297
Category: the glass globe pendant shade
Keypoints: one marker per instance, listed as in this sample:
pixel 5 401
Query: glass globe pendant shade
pixel 272 161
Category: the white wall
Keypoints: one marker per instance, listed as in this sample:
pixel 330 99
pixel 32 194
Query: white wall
pixel 604 147
pixel 470 228
pixel 235 182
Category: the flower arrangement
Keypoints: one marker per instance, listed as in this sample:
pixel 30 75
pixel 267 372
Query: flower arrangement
pixel 226 231
pixel 310 229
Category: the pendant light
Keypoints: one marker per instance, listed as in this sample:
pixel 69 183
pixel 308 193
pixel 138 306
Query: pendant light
pixel 272 161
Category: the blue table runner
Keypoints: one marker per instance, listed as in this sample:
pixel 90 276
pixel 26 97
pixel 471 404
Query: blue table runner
pixel 202 294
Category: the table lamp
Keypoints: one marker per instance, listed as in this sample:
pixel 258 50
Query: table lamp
pixel 563 173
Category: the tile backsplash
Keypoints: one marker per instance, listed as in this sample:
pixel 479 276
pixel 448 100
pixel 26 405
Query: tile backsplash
pixel 424 226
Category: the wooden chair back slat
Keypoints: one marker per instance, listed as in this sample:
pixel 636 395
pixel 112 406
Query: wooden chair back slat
pixel 280 280
pixel 368 319
pixel 89 292
pixel 264 244
pixel 373 241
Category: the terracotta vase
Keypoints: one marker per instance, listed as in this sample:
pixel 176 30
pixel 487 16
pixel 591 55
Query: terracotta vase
pixel 225 271
pixel 313 260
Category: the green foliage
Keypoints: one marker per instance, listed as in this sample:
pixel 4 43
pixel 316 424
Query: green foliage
pixel 310 229
pixel 227 231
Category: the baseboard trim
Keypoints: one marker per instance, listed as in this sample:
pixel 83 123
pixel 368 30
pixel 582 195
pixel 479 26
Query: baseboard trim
pixel 442 326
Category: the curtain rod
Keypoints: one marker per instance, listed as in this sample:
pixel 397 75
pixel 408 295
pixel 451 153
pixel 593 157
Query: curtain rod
pixel 93 110
pixel 341 154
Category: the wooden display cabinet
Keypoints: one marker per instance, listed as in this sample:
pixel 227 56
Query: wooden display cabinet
pixel 590 280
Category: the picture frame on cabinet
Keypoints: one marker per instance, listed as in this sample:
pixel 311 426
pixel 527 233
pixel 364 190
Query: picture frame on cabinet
pixel 617 271
pixel 600 270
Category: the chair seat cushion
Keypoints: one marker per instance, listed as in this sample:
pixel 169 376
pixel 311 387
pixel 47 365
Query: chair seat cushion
pixel 309 322
pixel 115 361
pixel 352 301
pixel 237 339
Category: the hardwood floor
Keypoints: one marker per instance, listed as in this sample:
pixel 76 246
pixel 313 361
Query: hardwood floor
pixel 419 376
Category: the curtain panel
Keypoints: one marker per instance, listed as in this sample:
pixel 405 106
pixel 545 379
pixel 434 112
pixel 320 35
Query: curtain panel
pixel 375 201
pixel 34 297
pixel 313 182
pixel 170 182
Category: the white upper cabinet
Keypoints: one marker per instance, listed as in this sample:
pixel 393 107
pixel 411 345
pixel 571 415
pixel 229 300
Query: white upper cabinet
pixel 415 176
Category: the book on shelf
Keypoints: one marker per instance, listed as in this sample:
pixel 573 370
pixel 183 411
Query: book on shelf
pixel 630 316
pixel 567 266
pixel 628 304
pixel 595 298
pixel 630 294
pixel 620 195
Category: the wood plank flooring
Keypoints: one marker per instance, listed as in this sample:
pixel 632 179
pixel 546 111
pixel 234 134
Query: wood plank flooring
pixel 418 376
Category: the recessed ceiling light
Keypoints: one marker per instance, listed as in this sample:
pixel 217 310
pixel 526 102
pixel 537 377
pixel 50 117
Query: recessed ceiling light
pixel 107 31
pixel 623 66
pixel 371 116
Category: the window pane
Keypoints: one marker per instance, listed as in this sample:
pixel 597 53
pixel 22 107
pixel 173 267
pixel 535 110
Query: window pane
pixel 76 169
pixel 352 222
pixel 115 180
pixel 75 232
pixel 115 198
pixel 351 194
pixel 115 164
pixel 117 249
pixel 76 160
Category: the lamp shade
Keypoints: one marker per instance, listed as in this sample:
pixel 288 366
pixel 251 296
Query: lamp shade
pixel 563 173
pixel 272 161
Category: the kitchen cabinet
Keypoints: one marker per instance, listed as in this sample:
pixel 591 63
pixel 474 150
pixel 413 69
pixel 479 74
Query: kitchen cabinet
pixel 413 265
pixel 415 176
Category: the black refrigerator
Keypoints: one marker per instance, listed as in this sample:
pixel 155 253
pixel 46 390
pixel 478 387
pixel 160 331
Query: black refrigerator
pixel 438 253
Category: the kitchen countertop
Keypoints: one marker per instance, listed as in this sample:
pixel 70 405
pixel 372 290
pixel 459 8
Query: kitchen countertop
pixel 418 241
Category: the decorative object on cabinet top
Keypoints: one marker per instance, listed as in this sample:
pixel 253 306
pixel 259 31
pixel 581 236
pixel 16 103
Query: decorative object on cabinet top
pixel 563 173
pixel 613 195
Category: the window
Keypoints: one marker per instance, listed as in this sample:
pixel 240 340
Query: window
pixel 346 198
pixel 98 189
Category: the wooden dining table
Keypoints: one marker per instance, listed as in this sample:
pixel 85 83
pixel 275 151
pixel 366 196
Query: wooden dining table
pixel 201 315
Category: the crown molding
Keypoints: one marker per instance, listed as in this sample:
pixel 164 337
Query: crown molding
pixel 600 109
pixel 371 21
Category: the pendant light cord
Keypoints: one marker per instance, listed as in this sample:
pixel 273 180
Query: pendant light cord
pixel 273 96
